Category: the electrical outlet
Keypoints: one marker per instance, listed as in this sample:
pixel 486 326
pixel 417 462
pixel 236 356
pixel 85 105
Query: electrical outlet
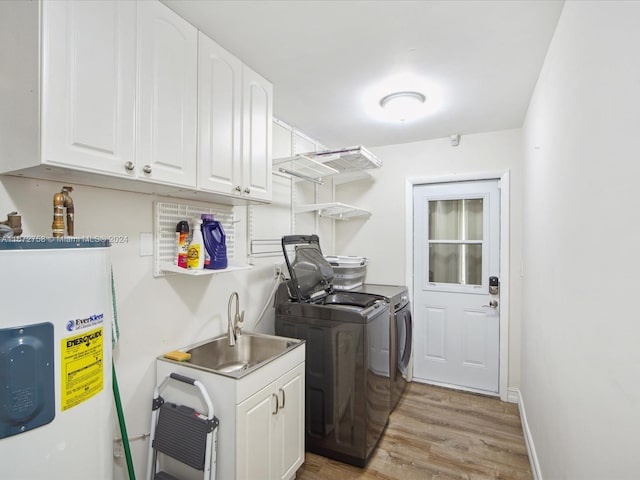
pixel 277 270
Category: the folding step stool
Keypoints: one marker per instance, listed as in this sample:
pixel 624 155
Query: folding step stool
pixel 182 433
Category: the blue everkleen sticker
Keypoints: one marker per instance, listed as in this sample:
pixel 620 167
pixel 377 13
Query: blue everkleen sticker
pixel 88 322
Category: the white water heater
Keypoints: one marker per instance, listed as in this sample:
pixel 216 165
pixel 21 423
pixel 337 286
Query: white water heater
pixel 56 399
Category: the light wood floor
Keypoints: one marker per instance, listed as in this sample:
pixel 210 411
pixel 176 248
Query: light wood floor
pixel 437 433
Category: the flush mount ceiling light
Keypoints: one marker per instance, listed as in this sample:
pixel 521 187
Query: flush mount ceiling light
pixel 403 106
pixel 402 98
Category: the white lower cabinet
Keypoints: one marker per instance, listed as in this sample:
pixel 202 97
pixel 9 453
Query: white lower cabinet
pixel 261 431
pixel 275 413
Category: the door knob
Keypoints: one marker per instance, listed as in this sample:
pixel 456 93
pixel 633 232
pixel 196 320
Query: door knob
pixel 492 304
pixel 146 169
pixel 129 166
pixel 247 190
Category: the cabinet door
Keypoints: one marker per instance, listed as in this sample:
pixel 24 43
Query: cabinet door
pixel 89 82
pixel 219 118
pixel 256 135
pixel 255 435
pixel 290 423
pixel 167 92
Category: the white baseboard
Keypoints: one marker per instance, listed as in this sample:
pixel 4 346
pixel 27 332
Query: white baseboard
pixel 514 393
pixel 453 386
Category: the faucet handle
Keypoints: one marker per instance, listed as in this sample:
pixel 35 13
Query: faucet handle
pixel 240 319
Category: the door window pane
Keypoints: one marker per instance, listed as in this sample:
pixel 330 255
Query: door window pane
pixel 455 219
pixel 455 241
pixel 455 263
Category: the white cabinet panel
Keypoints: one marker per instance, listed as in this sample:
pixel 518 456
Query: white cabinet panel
pixel 290 424
pixel 234 125
pixel 270 430
pixel 255 431
pixel 167 92
pixel 107 93
pixel 219 118
pixel 89 55
pixel 282 140
pixel 257 131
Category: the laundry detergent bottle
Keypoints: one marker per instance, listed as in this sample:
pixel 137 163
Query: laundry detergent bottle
pixel 215 243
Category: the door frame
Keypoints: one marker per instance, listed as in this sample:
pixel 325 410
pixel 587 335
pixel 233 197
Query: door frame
pixel 503 176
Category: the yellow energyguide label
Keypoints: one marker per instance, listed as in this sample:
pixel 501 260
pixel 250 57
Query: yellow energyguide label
pixel 82 367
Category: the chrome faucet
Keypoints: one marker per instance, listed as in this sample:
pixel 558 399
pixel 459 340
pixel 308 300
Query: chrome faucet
pixel 234 326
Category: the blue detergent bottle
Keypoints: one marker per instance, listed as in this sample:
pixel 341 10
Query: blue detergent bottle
pixel 215 243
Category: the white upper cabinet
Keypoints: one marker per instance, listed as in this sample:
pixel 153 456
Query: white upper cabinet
pixel 257 133
pixel 234 125
pixel 219 118
pixel 167 93
pixel 89 85
pixel 115 94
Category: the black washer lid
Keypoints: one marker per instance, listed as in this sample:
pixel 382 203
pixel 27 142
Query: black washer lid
pixel 354 299
pixel 311 275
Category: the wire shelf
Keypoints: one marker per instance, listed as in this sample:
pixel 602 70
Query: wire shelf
pixel 166 216
pixel 315 165
pixel 337 211
pixel 349 159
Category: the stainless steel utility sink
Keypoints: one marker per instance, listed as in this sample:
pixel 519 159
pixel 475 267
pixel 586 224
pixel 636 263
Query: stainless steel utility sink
pixel 250 352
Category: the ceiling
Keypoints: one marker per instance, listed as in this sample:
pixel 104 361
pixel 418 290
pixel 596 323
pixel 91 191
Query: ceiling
pixel 323 56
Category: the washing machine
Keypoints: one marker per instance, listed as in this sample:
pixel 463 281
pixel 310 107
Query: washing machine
pixel 347 379
pixel 400 336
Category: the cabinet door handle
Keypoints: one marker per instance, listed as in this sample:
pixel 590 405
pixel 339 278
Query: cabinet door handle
pixel 146 169
pixel 247 190
pixel 129 166
pixel 238 188
pixel 277 401
pixel 281 390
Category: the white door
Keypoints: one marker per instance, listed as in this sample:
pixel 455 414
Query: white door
pixel 167 92
pixel 256 136
pixel 290 423
pixel 89 79
pixel 456 313
pixel 219 118
pixel 256 435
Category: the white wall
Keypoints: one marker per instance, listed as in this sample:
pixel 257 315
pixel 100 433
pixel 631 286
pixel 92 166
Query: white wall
pixel 156 315
pixel 382 237
pixel 289 141
pixel 580 381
